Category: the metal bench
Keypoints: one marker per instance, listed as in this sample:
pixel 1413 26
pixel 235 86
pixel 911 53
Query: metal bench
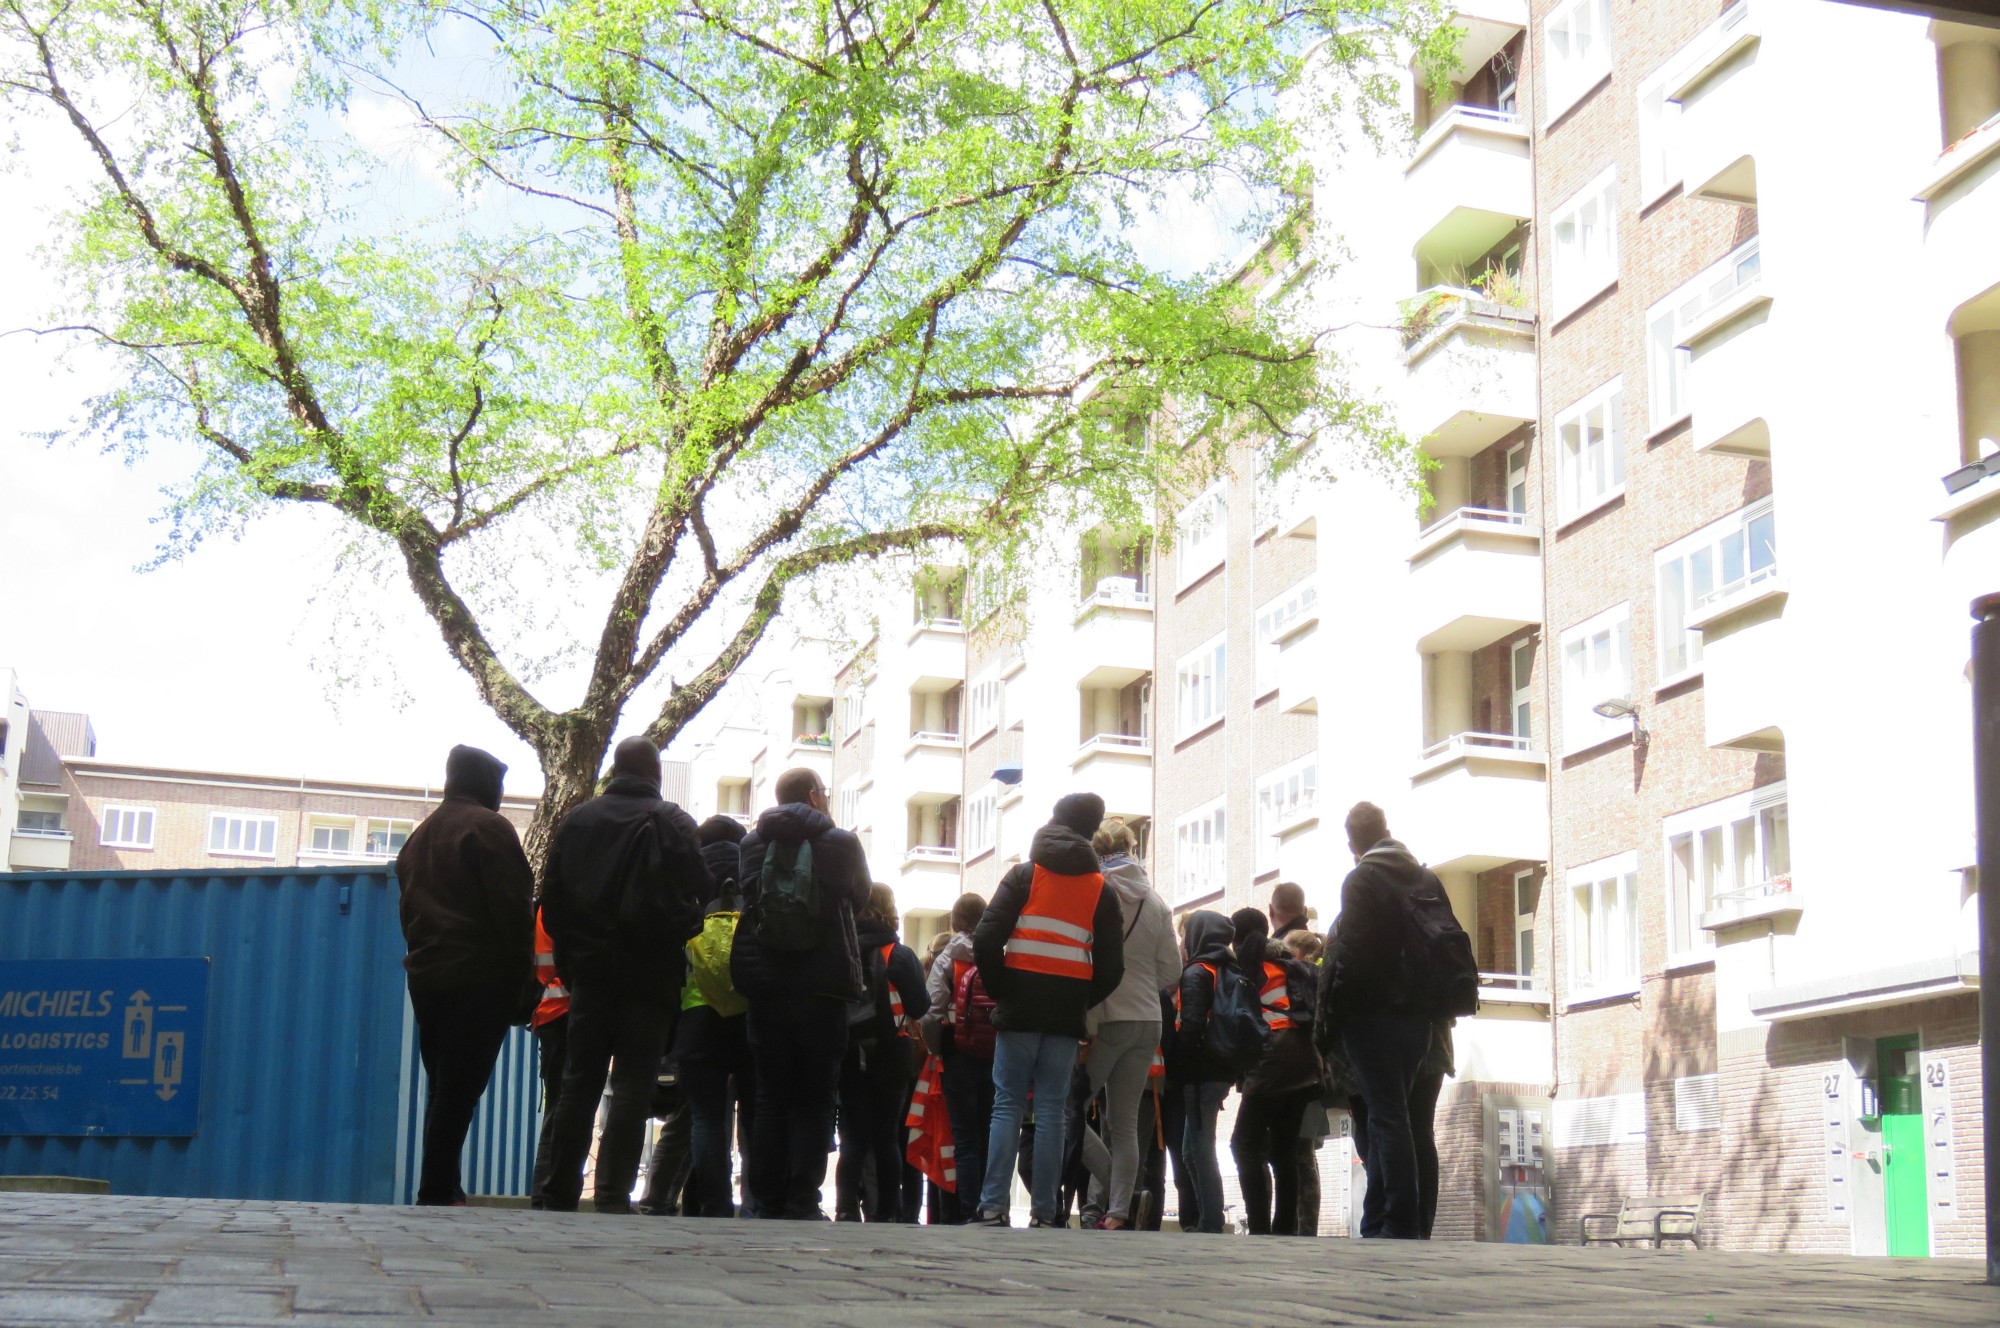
pixel 1649 1222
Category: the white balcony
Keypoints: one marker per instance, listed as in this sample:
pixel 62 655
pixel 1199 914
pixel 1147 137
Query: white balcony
pixel 1471 379
pixel 930 878
pixel 1508 1041
pixel 1299 668
pixel 934 765
pixel 39 850
pixel 1476 576
pixel 937 650
pixel 1726 105
pixel 1729 381
pixel 1746 662
pixel 1467 185
pixel 1117 767
pixel 1488 26
pixel 1113 643
pixel 1480 801
pixel 1962 196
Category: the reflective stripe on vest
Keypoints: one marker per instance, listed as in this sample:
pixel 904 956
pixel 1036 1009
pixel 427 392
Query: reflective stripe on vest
pixel 958 968
pixel 1053 934
pixel 1277 999
pixel 1158 1069
pixel 555 996
pixel 895 996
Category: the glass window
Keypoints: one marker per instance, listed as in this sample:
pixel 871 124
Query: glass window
pixel 126 827
pixel 1273 621
pixel 1283 796
pixel 388 837
pixel 1517 479
pixel 1720 560
pixel 984 707
pixel 1200 853
pixel 1597 666
pixel 1577 42
pixel 1522 667
pixel 1527 897
pixel 29 822
pixel 1202 533
pixel 1200 682
pixel 1604 933
pixel 1591 456
pixel 981 823
pixel 1585 256
pixel 234 835
pixel 332 837
pixel 1659 138
pixel 1720 854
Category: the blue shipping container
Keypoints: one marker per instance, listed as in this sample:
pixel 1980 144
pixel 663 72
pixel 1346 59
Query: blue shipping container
pixel 308 1079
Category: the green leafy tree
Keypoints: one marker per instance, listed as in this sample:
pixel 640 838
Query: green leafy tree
pixel 777 286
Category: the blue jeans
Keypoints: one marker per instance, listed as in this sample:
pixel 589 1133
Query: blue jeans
pixel 1204 1103
pixel 1040 1062
pixel 1384 1049
pixel 968 1096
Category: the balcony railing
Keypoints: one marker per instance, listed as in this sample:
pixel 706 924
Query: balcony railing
pixel 1722 299
pixel 1463 116
pixel 1117 592
pixel 931 853
pixel 1133 743
pixel 1508 981
pixel 37 833
pixel 1476 519
pixel 1777 885
pixel 1459 743
pixel 934 737
pixel 1741 588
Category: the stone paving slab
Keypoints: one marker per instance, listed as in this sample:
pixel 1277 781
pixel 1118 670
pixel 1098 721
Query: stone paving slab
pixel 177 1263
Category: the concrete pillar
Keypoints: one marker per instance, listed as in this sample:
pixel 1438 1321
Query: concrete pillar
pixel 1451 483
pixel 1969 84
pixel 1450 695
pixel 1979 391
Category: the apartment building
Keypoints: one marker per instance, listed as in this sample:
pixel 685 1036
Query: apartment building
pixel 774 716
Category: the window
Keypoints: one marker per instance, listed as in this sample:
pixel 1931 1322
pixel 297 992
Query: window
pixel 235 835
pixel 984 712
pixel 1697 1102
pixel 1200 853
pixel 1273 621
pixel 1712 565
pixel 1585 258
pixel 1527 896
pixel 38 823
pixel 1521 667
pixel 1659 138
pixel 386 838
pixel 1015 825
pixel 981 823
pixel 1603 927
pixel 850 808
pixel 125 827
pixel 1725 852
pixel 854 708
pixel 1591 437
pixel 1576 39
pixel 1202 534
pixel 1283 796
pixel 331 836
pixel 1597 666
pixel 1199 682
pixel 1517 479
pixel 1668 361
pixel 732 797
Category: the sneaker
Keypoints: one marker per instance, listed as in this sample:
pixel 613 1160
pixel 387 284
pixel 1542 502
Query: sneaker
pixel 1041 1222
pixel 988 1220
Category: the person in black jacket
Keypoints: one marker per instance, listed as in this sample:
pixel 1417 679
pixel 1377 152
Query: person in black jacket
pixel 798 998
pixel 620 898
pixel 468 911
pixel 875 1074
pixel 1204 1076
pixel 712 1050
pixel 1364 997
pixel 1049 947
pixel 1277 1091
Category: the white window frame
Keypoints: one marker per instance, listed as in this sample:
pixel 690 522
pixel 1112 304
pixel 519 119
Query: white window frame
pixel 982 824
pixel 1571 76
pixel 1290 790
pixel 1521 677
pixel 1274 619
pixel 1517 466
pixel 1524 925
pixel 1603 947
pixel 332 824
pixel 850 808
pixel 1669 363
pixel 1605 642
pixel 1201 536
pixel 985 701
pixel 1201 852
pixel 1201 687
pixel 112 820
pixel 246 819
pixel 391 822
pixel 1583 244
pixel 1659 137
pixel 1697 568
pixel 1706 848
pixel 1590 474
pixel 854 709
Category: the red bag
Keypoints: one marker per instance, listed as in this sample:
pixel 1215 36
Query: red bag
pixel 973 1033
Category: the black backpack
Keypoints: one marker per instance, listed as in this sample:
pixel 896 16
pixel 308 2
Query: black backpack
pixel 787 914
pixel 1236 1033
pixel 1441 972
pixel 871 1020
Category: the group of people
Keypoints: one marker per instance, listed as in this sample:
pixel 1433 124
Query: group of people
pixel 1067 1030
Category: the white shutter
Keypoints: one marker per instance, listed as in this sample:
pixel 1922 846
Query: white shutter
pixel 1593 1121
pixel 1698 1102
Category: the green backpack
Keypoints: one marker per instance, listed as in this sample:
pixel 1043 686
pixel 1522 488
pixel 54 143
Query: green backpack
pixel 708 958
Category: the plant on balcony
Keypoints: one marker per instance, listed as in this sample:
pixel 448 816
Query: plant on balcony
pixel 1422 313
pixel 813 739
pixel 1501 287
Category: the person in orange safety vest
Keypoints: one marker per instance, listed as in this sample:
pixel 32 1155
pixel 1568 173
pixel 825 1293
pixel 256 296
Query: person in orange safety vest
pixel 551 1024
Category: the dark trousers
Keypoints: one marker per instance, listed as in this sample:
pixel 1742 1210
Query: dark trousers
pixel 1384 1049
pixel 796 1047
pixel 615 1037
pixel 1173 1124
pixel 1152 1158
pixel 711 1092
pixel 1266 1145
pixel 874 1096
pixel 553 1038
pixel 1423 1128
pixel 1309 1195
pixel 459 1032
pixel 670 1172
pixel 968 1097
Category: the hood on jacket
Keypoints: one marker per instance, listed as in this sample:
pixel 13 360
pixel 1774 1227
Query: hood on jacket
pixel 1128 879
pixel 475 774
pixel 874 932
pixel 1209 937
pixel 1061 850
pixel 720 830
pixel 959 947
pixel 792 822
pixel 1390 853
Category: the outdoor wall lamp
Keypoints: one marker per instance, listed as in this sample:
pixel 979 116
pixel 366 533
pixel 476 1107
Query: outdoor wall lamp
pixel 1619 708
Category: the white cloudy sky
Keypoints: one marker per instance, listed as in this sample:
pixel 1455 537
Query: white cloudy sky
pixel 222 660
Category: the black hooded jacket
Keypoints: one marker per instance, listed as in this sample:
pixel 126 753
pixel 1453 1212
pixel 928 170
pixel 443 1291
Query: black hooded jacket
pixel 1045 1002
pixel 1364 951
pixel 624 891
pixel 905 970
pixel 833 968
pixel 468 894
pixel 1209 936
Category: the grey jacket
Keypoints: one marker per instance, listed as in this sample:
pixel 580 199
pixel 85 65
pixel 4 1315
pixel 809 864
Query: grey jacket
pixel 1152 955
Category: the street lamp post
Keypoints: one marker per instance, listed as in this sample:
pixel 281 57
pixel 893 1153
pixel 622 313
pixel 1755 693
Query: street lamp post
pixel 1986 799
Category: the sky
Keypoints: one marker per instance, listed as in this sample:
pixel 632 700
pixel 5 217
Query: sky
pixel 224 660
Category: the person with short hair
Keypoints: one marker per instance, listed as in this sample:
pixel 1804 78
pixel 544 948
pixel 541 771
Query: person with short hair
pixel 798 979
pixel 877 1070
pixel 968 1080
pixel 1288 911
pixel 1278 1089
pixel 621 898
pixel 1049 947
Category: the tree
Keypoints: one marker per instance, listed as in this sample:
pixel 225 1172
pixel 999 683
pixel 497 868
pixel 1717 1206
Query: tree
pixel 776 286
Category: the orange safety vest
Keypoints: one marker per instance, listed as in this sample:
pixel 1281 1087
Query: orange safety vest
pixel 895 996
pixel 555 996
pixel 930 1148
pixel 1277 999
pixel 958 971
pixel 1053 934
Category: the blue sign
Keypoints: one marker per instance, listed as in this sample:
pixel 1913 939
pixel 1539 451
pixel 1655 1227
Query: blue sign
pixel 101 1046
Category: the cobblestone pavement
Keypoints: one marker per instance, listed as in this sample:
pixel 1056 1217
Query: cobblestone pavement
pixel 68 1260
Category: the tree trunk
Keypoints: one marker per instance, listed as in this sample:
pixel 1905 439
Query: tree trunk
pixel 570 764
